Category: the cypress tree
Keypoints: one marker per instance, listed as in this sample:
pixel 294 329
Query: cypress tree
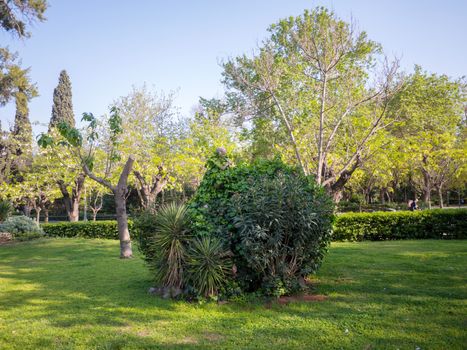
pixel 62 108
pixel 22 134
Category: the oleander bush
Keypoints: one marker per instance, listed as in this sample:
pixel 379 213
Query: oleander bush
pixel 378 226
pixel 22 228
pixel 84 229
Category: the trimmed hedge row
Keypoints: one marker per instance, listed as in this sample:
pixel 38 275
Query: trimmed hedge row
pixel 378 226
pixel 84 229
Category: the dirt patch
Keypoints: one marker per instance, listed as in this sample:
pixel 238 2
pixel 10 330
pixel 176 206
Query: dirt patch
pixel 143 333
pixel 188 340
pixel 213 336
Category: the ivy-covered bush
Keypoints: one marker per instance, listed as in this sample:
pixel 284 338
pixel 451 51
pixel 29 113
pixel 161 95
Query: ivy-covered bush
pixel 435 224
pixel 276 222
pixel 84 229
pixel 22 228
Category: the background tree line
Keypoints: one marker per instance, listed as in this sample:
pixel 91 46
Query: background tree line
pixel 317 92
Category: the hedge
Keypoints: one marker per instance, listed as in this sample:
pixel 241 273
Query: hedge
pixel 378 226
pixel 84 229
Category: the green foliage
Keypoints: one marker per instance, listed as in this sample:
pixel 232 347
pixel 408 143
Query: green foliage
pixel 167 246
pixel 84 229
pixel 62 108
pixel 16 15
pixel 437 224
pixel 275 221
pixel 22 228
pixel 283 228
pixel 209 265
pixel 5 210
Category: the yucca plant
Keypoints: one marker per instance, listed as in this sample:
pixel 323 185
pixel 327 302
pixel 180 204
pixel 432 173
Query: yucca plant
pixel 208 265
pixel 5 210
pixel 168 244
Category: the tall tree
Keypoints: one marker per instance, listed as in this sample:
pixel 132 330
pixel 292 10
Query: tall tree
pixel 315 81
pixel 62 108
pixel 62 111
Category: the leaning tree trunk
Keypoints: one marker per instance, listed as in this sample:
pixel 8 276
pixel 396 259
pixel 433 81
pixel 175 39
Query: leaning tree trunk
pixel 120 191
pixel 122 221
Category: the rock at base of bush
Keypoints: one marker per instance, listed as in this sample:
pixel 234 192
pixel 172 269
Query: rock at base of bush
pixel 5 237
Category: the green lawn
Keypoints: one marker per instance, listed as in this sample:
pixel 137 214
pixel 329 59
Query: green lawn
pixel 77 294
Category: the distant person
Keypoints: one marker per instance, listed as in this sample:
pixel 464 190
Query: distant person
pixel 413 205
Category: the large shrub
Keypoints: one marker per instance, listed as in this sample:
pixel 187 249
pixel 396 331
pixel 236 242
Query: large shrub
pixel 436 224
pixel 276 222
pixel 22 228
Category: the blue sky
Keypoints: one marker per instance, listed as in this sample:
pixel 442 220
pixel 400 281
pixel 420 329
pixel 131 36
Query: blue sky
pixel 109 45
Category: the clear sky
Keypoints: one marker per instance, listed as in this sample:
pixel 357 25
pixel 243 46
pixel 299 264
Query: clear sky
pixel 109 45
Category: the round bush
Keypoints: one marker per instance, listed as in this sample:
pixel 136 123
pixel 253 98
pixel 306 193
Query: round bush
pixel 22 228
pixel 275 221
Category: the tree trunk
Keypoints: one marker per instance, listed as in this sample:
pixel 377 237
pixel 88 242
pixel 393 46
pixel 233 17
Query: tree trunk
pixel 120 191
pixel 46 215
pixel 440 194
pixel 38 214
pixel 122 220
pixel 72 202
pixel 73 215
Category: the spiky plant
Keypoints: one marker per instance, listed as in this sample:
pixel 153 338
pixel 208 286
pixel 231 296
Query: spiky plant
pixel 169 244
pixel 5 210
pixel 208 265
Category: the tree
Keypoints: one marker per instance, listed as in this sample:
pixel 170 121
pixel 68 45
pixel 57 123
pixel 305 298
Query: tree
pixel 114 173
pixel 62 108
pixel 15 15
pixel 314 81
pixel 150 125
pixel 433 129
pixel 37 190
pixel 62 111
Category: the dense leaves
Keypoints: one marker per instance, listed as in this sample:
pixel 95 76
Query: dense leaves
pixel 276 221
pixel 437 224
pixel 22 228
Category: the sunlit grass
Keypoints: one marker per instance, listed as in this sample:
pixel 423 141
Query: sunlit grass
pixel 77 294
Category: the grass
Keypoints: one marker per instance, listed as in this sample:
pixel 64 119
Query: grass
pixel 77 294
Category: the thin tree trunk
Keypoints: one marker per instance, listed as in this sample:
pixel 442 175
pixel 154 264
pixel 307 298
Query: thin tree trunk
pixel 38 214
pixel 46 215
pixel 321 130
pixel 440 194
